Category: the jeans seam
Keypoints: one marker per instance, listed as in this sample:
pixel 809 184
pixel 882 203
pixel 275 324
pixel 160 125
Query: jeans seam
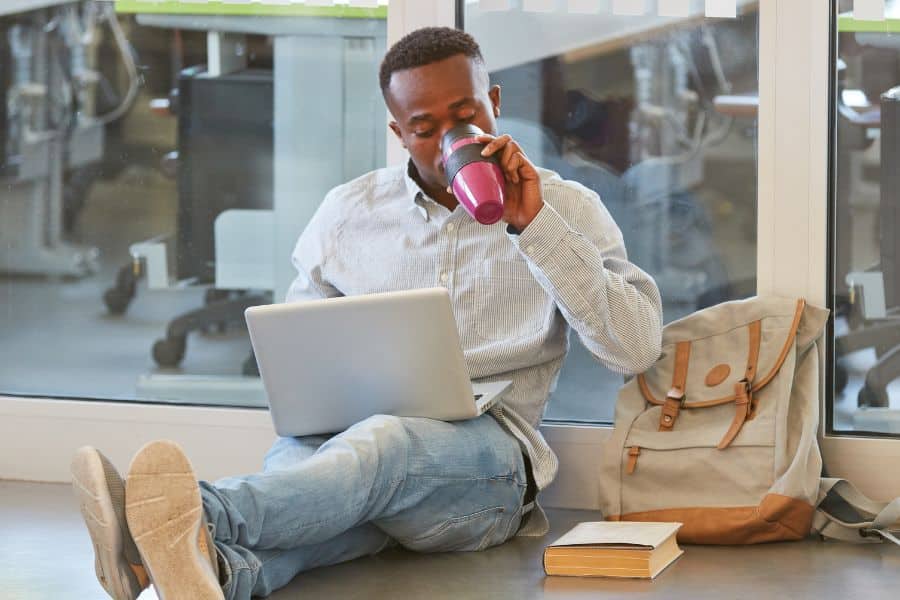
pixel 499 510
pixel 267 561
pixel 324 521
pixel 487 537
pixel 510 477
pixel 393 483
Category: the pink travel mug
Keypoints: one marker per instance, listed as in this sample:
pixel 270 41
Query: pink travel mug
pixel 477 181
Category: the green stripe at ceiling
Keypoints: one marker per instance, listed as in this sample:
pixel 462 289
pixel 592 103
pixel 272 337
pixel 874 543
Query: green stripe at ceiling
pixel 214 7
pixel 847 24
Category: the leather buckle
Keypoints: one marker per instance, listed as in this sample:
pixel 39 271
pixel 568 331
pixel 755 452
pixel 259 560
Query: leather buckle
pixel 676 394
pixel 675 401
pixel 742 405
pixel 748 394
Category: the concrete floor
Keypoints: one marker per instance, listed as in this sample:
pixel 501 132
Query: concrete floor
pixel 46 554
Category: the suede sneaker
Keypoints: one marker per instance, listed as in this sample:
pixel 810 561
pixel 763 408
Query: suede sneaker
pixel 165 514
pixel 100 492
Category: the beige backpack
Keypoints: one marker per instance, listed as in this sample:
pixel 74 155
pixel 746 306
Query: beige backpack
pixel 720 434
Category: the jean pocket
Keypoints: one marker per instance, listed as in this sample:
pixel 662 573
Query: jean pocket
pixel 459 534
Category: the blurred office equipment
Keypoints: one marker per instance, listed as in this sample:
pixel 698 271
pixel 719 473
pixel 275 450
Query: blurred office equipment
pixel 874 314
pixel 867 214
pixel 674 125
pixel 224 163
pixel 642 148
pixel 50 127
pixel 257 152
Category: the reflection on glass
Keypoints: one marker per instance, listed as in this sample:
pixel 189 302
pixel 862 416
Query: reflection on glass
pixel 658 116
pixel 140 187
pixel 866 243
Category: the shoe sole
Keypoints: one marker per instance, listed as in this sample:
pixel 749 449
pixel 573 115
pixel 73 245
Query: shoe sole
pixel 165 514
pixel 94 500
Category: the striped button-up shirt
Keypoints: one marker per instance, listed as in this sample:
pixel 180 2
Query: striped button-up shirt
pixel 515 295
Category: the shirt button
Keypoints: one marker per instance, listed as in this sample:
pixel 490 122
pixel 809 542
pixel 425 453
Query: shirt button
pixel 444 278
pixel 450 227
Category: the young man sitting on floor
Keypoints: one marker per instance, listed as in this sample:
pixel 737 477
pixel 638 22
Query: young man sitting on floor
pixel 557 261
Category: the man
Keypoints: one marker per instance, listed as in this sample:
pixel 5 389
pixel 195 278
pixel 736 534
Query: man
pixel 557 261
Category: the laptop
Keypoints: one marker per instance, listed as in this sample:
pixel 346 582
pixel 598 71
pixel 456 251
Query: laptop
pixel 328 364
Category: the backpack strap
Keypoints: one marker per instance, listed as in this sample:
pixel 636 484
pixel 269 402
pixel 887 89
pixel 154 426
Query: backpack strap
pixel 675 397
pixel 755 331
pixel 880 520
pixel 744 400
pixel 758 385
pixel 742 407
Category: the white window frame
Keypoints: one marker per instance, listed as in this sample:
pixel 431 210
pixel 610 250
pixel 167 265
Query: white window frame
pixel 38 436
pixel 798 233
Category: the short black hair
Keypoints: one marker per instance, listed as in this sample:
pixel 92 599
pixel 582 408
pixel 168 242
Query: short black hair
pixel 425 46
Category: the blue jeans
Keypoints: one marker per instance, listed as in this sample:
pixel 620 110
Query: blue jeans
pixel 426 485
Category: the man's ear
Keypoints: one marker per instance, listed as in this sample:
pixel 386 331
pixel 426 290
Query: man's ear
pixel 494 94
pixel 396 129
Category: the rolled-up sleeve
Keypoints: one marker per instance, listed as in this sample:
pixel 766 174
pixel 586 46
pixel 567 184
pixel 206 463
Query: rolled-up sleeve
pixel 612 304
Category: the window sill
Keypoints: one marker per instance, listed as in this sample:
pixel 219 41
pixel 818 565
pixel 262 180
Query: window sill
pixel 39 436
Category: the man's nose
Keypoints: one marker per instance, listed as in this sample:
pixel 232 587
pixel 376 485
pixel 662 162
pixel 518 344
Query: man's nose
pixel 444 129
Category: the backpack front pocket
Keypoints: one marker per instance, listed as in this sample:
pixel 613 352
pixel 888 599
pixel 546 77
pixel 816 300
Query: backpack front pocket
pixel 685 469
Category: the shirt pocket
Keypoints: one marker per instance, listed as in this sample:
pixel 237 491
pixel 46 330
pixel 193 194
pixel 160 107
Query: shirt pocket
pixel 511 303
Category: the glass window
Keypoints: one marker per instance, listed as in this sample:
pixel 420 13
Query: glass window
pixel 146 167
pixel 865 212
pixel 656 114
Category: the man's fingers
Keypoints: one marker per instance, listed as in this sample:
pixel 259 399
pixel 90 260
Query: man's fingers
pixel 512 158
pixel 516 164
pixel 511 163
pixel 509 151
pixel 496 144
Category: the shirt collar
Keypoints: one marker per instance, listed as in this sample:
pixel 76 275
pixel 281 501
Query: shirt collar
pixel 420 199
pixel 414 190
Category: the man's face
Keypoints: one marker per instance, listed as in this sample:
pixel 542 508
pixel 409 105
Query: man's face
pixel 428 101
